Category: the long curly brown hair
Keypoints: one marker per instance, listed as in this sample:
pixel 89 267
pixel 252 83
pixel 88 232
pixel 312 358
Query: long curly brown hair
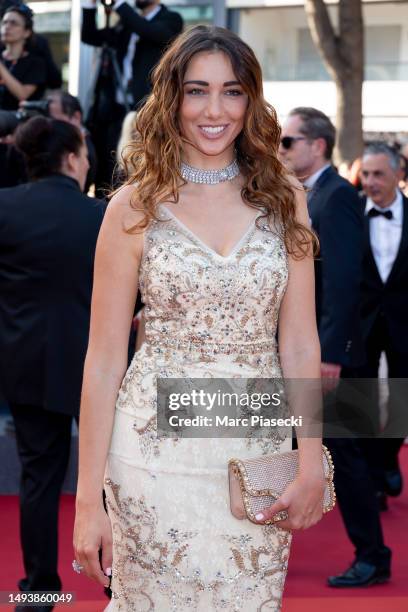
pixel 152 160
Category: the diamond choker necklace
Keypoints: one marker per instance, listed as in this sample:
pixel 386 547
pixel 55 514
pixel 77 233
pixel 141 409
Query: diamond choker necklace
pixel 209 177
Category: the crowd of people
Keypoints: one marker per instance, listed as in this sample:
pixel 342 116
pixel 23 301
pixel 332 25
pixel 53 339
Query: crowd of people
pixel 50 165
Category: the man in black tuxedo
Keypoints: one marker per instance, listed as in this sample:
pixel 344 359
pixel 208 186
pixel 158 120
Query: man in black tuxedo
pixel 385 292
pixel 48 233
pixel 308 138
pixel 139 41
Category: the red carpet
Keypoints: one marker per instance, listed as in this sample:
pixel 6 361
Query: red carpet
pixel 316 553
pixel 324 550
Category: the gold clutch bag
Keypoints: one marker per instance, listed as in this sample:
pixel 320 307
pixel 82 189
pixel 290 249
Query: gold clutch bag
pixel 255 484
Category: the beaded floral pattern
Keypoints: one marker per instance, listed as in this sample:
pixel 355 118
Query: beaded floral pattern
pixel 177 546
pixel 151 568
pixel 195 296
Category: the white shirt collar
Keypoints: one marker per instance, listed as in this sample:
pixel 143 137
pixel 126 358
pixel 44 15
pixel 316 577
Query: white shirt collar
pixel 311 180
pixel 395 207
pixel 153 13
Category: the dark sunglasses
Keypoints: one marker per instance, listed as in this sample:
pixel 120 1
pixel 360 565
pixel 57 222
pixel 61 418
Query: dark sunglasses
pixel 287 141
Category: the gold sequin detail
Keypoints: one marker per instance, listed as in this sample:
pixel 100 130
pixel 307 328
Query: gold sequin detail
pixel 197 300
pixel 148 563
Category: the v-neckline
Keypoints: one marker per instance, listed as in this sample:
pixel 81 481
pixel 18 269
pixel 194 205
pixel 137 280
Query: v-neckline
pixel 205 246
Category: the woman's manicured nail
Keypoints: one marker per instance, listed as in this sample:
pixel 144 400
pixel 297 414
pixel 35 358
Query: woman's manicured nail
pixel 259 516
pixel 108 571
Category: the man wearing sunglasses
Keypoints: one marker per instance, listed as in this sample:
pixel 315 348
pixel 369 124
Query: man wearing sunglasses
pixel 307 143
pixel 308 138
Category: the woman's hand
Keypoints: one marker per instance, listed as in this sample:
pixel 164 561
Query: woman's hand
pixel 16 88
pixel 303 501
pixel 92 533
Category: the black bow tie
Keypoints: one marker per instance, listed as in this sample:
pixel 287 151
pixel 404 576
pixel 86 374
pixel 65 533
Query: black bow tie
pixel 374 212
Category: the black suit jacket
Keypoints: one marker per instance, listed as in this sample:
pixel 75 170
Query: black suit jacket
pixel 389 299
pixel 48 232
pixel 154 36
pixel 337 218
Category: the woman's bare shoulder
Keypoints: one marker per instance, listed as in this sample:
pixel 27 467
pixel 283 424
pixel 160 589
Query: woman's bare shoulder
pixel 123 198
pixel 122 207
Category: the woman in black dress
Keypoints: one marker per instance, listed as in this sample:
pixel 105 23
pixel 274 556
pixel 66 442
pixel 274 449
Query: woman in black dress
pixel 22 75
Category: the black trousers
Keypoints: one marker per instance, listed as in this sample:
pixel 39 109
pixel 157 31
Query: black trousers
pixel 105 136
pixel 360 462
pixel 355 483
pixel 43 443
pixel 378 342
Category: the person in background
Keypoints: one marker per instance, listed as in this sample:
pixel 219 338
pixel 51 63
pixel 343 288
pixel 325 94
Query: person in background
pixel 355 173
pixel 403 182
pixel 65 107
pixel 139 40
pixel 39 46
pixel 307 142
pixel 48 233
pixel 404 148
pixel 126 136
pixel 22 74
pixel 385 291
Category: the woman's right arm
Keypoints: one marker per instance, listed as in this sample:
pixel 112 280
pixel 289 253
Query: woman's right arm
pixel 19 90
pixel 117 262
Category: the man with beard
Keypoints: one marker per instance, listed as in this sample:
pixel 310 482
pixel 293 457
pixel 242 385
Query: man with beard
pixel 139 40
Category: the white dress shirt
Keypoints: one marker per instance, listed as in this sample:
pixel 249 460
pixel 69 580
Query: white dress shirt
pixel 385 234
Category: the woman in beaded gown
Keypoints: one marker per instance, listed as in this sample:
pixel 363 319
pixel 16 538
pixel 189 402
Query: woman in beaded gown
pixel 214 233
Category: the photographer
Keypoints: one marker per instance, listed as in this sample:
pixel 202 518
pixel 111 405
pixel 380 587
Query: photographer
pixel 63 106
pixel 39 46
pixel 138 41
pixel 22 75
pixel 48 233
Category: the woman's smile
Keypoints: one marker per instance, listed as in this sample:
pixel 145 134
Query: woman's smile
pixel 213 131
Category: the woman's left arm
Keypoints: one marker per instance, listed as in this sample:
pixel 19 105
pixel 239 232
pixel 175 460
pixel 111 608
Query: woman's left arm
pixel 15 87
pixel 299 351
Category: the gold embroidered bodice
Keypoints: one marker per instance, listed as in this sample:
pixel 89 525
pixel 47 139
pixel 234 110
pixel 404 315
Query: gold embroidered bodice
pixel 196 298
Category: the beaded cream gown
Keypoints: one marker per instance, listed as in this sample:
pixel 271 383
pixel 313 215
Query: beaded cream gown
pixel 176 545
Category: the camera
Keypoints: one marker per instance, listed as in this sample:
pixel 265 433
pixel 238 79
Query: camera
pixel 9 120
